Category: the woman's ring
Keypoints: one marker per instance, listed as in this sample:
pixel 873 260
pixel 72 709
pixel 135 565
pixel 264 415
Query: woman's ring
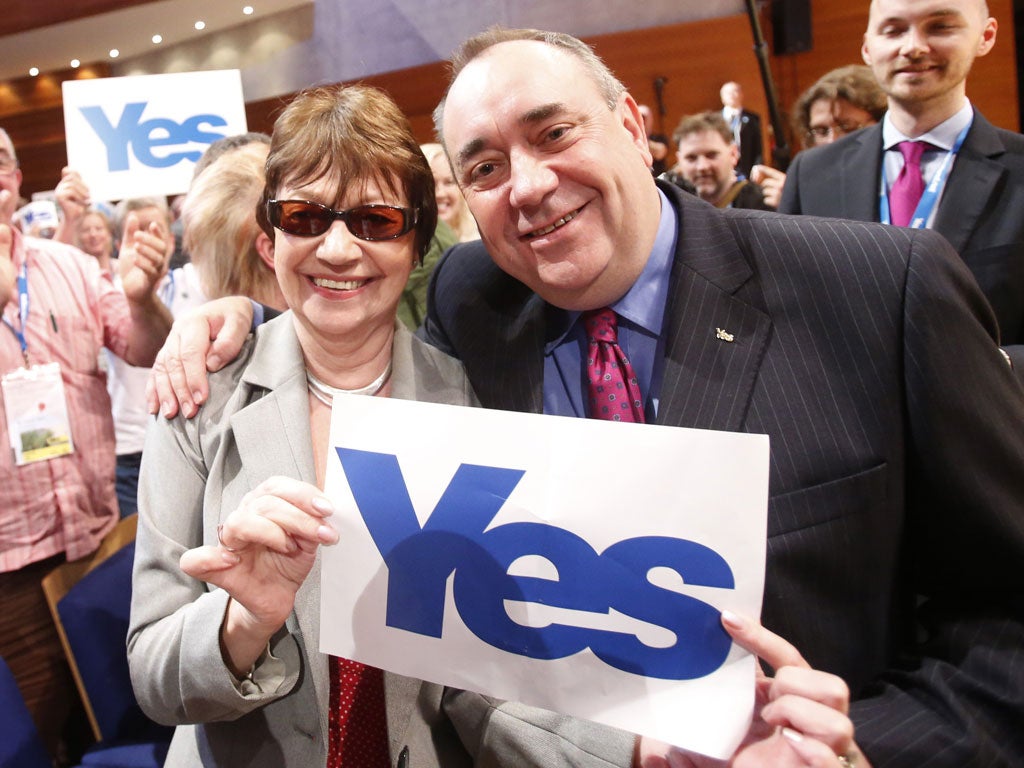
pixel 220 541
pixel 848 760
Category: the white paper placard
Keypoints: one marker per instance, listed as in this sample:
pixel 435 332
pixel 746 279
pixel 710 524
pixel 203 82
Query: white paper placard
pixel 642 528
pixel 141 135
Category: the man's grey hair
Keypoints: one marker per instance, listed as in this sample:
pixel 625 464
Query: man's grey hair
pixel 609 86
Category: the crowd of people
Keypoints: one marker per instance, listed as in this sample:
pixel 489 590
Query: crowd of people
pixel 878 342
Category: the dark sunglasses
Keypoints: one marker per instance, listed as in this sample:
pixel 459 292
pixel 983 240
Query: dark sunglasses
pixel 367 222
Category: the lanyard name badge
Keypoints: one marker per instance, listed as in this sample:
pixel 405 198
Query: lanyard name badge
pixel 930 196
pixel 34 401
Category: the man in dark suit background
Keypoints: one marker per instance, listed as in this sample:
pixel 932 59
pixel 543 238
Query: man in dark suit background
pixel 745 126
pixel 921 54
pixel 866 353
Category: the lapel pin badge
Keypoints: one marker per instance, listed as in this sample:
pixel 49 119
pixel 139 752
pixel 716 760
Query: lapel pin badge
pixel 723 335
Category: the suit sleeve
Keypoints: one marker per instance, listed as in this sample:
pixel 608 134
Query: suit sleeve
pixel 954 695
pixel 790 200
pixel 432 330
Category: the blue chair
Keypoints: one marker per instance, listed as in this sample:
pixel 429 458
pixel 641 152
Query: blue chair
pixel 90 601
pixel 20 746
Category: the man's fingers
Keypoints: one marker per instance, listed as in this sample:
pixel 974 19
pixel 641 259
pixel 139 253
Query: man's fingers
pixel 227 338
pixel 766 645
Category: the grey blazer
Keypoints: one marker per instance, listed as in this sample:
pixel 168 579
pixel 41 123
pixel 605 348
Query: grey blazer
pixel 981 212
pixel 194 473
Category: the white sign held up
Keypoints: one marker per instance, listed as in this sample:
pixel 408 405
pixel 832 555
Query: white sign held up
pixel 141 135
pixel 571 564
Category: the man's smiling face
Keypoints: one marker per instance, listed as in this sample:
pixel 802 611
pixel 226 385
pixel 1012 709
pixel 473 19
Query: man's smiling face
pixel 559 182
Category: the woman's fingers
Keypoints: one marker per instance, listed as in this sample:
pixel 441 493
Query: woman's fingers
pixel 282 515
pixel 823 687
pixel 776 651
pixel 203 562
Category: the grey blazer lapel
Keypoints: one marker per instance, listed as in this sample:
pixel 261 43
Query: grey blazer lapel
pixel 715 340
pixel 971 184
pixel 273 438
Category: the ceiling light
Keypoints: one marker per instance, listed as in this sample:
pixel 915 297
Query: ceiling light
pixel 33 71
pixel 75 63
pixel 200 25
pixel 114 53
pixel 157 39
pixel 247 10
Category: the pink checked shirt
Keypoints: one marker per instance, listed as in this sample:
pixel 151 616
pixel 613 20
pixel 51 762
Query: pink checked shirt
pixel 64 504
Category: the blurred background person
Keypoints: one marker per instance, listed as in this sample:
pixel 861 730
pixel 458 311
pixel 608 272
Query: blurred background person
pixel 706 156
pixel 451 205
pixel 230 253
pixel 146 219
pixel 744 125
pixel 840 102
pixel 95 236
pixel 58 507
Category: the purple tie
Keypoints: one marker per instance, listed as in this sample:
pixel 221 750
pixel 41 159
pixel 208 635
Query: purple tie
pixel 909 185
pixel 614 392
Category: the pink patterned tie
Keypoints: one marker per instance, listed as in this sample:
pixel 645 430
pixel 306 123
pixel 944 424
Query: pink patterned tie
pixel 357 735
pixel 614 392
pixel 909 185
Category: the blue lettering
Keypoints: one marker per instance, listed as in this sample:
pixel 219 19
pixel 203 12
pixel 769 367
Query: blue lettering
pixel 143 136
pixel 115 138
pixel 455 539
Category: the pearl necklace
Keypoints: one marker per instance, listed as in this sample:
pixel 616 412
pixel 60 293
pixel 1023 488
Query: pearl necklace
pixel 325 393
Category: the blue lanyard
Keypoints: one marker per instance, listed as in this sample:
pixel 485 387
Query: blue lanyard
pixel 931 193
pixel 19 334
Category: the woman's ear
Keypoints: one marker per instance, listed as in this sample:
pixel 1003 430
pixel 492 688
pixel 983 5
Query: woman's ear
pixel 265 248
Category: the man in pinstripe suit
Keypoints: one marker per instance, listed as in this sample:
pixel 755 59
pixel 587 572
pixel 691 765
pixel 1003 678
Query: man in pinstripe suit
pixel 867 354
pixel 896 530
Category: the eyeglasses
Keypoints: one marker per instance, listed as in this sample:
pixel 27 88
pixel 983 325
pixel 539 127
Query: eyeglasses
pixel 367 222
pixel 837 131
pixel 8 164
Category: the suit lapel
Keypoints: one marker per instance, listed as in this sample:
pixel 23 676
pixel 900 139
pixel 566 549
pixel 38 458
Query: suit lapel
pixel 714 339
pixel 971 184
pixel 860 175
pixel 513 341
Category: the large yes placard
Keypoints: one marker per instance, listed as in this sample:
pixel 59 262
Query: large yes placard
pixel 142 135
pixel 570 564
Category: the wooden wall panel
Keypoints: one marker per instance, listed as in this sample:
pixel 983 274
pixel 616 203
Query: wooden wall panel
pixel 695 59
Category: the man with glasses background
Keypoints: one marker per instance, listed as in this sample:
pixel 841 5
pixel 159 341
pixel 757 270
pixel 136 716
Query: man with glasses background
pixel 970 186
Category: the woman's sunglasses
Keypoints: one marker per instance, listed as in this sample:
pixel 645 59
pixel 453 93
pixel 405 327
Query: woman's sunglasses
pixel 367 222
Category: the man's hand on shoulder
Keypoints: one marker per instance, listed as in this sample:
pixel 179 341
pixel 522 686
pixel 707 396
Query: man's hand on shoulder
pixel 205 339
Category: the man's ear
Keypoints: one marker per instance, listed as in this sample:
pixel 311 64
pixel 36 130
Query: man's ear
pixel 265 248
pixel 633 122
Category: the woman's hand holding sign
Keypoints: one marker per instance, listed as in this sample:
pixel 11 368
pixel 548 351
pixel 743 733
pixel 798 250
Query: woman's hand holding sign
pixel 801 715
pixel 265 550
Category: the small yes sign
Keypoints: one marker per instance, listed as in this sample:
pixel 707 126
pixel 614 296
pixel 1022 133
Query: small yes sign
pixel 141 135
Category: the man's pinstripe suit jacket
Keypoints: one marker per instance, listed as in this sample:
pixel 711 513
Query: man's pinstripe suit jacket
pixel 896 512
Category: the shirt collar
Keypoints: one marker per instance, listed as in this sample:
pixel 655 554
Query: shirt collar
pixel 942 135
pixel 644 303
